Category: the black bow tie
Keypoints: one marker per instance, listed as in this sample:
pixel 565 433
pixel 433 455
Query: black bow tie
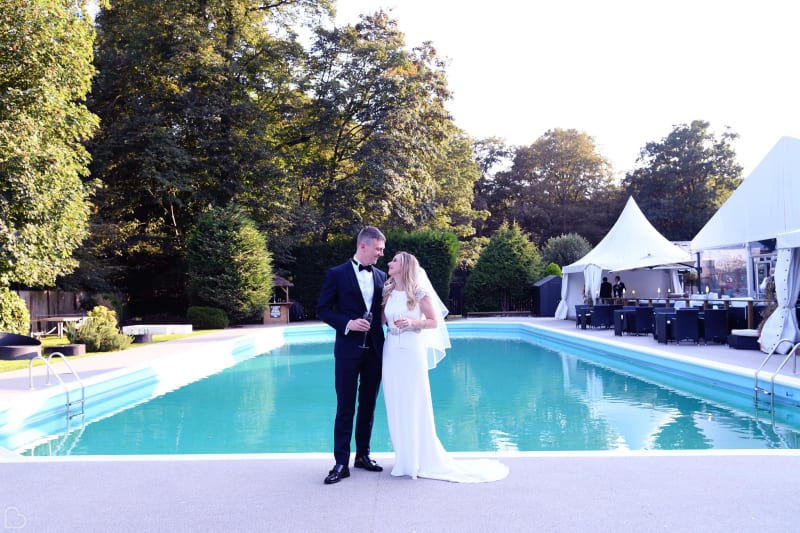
pixel 361 267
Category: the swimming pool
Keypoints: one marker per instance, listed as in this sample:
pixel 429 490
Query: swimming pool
pixel 580 403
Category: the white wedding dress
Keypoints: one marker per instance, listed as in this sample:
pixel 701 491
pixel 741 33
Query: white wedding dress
pixel 409 409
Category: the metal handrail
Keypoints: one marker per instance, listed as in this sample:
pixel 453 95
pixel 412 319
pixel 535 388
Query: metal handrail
pixel 771 392
pixel 49 367
pixel 792 352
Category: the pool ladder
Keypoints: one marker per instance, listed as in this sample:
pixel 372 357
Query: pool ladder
pixel 69 403
pixel 758 390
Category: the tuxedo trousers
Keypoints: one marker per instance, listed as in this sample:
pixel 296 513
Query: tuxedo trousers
pixel 356 379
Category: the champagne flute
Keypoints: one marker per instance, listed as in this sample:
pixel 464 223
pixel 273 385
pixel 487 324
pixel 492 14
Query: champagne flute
pixel 368 317
pixel 395 319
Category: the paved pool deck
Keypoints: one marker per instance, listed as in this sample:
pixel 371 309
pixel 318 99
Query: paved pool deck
pixel 709 491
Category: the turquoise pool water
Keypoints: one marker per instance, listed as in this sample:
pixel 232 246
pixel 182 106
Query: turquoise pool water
pixel 490 394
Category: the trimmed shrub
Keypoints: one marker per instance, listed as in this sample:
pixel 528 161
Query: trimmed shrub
pixel 207 317
pixel 504 273
pixel 437 252
pixel 565 249
pixel 14 315
pixel 229 266
pixel 553 269
pixel 99 332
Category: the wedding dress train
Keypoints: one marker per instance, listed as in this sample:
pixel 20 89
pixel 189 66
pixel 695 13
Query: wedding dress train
pixel 409 409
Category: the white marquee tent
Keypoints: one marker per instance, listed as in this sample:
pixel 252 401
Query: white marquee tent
pixel 766 205
pixel 633 249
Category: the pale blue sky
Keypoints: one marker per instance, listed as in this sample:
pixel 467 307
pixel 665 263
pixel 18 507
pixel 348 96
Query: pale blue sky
pixel 623 71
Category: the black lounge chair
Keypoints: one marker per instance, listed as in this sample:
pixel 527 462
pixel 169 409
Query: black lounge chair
pixel 664 326
pixel 715 326
pixel 686 327
pixel 582 314
pixel 602 316
pixel 664 334
pixel 644 320
pixel 737 318
pixel 14 346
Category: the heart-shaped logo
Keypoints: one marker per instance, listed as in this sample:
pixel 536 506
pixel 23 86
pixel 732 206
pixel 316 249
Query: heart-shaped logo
pixel 13 519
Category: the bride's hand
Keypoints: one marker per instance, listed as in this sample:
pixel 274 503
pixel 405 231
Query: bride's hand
pixel 401 322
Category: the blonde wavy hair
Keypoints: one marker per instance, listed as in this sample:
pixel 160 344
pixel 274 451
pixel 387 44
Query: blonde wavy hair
pixel 408 274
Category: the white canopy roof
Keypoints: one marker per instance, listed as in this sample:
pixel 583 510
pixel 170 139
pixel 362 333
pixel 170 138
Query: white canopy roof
pixel 630 244
pixel 763 206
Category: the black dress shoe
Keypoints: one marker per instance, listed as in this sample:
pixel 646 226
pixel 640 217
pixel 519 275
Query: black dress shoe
pixel 366 463
pixel 337 473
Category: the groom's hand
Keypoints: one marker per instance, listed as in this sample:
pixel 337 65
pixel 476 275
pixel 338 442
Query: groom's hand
pixel 358 324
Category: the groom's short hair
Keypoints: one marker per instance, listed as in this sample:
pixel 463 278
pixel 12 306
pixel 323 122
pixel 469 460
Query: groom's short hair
pixel 370 232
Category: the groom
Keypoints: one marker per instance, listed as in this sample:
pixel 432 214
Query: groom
pixel 349 291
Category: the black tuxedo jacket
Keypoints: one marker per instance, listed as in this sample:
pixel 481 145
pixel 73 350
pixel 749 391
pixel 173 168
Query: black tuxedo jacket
pixel 341 301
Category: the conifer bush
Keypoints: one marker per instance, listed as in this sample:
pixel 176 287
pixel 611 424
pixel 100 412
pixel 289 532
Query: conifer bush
pixel 229 265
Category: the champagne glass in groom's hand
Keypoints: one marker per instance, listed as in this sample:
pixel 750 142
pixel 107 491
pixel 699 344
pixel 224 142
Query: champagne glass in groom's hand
pixel 368 317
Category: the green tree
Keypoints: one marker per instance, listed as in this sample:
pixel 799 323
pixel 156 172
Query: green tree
pixel 469 251
pixel 385 151
pixel 492 156
pixel 681 181
pixel 565 249
pixel 45 74
pixel 504 273
pixel 556 185
pixel 229 265
pixel 193 98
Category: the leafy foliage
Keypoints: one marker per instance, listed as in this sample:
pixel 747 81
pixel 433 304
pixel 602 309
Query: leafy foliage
pixel 229 265
pixel 207 317
pixel 552 269
pixel 553 186
pixel 312 262
pixel 470 250
pixel 14 314
pixel 505 272
pixel 99 333
pixel 206 103
pixel 436 251
pixel 681 181
pixel 492 156
pixel 46 59
pixel 194 99
pixel 384 149
pixel 565 249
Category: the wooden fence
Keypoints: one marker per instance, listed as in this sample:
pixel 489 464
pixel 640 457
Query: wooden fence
pixel 51 303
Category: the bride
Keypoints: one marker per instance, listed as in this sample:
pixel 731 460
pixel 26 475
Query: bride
pixel 416 342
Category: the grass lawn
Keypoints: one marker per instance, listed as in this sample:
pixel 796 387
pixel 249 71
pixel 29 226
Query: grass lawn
pixel 6 366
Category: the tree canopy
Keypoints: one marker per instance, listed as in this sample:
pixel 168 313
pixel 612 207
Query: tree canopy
pixel 680 181
pixel 385 151
pixel 553 187
pixel 206 104
pixel 45 74
pixel 213 102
